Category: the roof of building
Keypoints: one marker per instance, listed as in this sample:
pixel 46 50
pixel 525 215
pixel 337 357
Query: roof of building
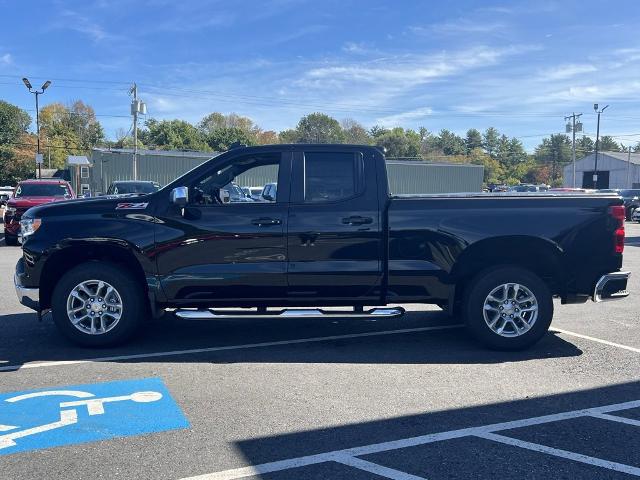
pixel 160 153
pixel 623 156
pixel 48 181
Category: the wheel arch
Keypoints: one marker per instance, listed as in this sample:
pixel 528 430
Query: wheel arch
pixel 539 255
pixel 64 259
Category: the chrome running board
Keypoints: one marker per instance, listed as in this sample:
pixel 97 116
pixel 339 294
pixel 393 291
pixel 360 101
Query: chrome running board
pixel 211 314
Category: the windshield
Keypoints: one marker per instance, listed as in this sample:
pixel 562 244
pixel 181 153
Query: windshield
pixel 42 190
pixel 630 193
pixel 143 187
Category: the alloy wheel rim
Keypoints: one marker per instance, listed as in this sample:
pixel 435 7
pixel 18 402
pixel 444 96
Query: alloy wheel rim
pixel 94 307
pixel 510 310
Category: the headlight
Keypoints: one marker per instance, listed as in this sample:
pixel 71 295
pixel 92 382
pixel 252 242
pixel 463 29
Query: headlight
pixel 28 226
pixel 10 211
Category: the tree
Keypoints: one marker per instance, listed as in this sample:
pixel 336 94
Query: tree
pixel 354 132
pixel 267 137
pixel 377 130
pixel 14 122
pixel 399 142
pixel 16 155
pixel 608 144
pixel 221 139
pixel 473 140
pixel 289 136
pixel 490 139
pixel 556 152
pixel 68 130
pixel 493 171
pixel 450 143
pixel 584 146
pixel 511 155
pixel 319 128
pixel 172 135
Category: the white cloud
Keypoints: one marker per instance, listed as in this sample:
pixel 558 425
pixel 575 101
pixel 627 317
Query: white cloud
pixel 459 26
pixel 72 20
pixel 404 117
pixel 409 70
pixel 6 59
pixel 561 72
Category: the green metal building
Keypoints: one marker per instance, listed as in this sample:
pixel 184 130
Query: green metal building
pixel 163 166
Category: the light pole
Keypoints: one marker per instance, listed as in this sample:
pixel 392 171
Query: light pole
pixel 45 85
pixel 595 170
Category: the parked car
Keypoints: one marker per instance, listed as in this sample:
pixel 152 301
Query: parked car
pixel 31 193
pixel 334 236
pixel 236 194
pixel 269 192
pixel 5 194
pixel 631 198
pixel 254 192
pixel 129 187
pixel 636 215
pixel 527 187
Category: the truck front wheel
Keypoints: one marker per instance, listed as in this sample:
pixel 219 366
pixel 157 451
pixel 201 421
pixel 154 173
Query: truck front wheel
pixel 508 308
pixel 96 304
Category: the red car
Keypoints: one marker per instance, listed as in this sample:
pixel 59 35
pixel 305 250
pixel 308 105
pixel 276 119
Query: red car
pixel 31 193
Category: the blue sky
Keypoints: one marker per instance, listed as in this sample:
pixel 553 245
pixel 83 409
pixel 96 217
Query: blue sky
pixel 518 66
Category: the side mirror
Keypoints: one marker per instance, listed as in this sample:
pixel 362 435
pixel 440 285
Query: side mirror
pixel 180 196
pixel 225 196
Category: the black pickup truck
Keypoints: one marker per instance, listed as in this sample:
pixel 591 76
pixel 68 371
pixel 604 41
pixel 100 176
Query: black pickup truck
pixel 334 236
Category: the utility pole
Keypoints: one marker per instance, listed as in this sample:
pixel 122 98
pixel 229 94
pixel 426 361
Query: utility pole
pixel 45 85
pixel 574 127
pixel 628 165
pixel 134 112
pixel 138 107
pixel 595 170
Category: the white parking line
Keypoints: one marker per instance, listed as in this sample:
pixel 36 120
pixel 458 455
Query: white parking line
pixel 615 418
pixel 481 431
pixel 598 340
pixel 170 353
pixel 376 469
pixel 556 452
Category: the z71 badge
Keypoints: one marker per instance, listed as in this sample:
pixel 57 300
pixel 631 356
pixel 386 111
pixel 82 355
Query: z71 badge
pixel 132 206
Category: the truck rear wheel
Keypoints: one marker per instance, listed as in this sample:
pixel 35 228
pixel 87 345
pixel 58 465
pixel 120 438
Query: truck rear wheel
pixel 508 308
pixel 96 304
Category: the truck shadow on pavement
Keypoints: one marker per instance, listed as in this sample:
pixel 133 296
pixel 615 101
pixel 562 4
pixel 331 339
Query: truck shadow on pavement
pixel 431 445
pixel 234 341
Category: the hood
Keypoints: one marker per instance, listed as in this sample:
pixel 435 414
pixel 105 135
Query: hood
pixel 28 202
pixel 81 206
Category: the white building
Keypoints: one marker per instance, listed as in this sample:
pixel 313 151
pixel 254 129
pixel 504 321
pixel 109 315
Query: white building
pixel 615 170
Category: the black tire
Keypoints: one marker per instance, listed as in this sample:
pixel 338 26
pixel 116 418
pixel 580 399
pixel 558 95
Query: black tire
pixel 483 284
pixel 10 240
pixel 135 308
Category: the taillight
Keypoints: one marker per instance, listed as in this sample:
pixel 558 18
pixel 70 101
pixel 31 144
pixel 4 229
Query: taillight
pixel 619 214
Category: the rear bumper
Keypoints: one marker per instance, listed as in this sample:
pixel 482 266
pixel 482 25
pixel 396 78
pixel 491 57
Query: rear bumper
pixel 27 296
pixel 611 286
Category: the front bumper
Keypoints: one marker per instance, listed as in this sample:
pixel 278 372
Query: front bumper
pixel 611 286
pixel 27 296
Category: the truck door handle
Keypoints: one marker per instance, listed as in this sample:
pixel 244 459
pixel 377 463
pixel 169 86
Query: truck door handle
pixel 263 221
pixel 357 220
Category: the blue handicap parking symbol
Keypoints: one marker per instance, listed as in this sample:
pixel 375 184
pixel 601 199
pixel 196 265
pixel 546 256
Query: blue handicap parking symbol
pixel 67 415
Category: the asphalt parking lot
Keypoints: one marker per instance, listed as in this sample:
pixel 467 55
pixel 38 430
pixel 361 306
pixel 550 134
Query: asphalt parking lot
pixel 402 398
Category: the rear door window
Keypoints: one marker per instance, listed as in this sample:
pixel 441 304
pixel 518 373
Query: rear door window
pixel 332 176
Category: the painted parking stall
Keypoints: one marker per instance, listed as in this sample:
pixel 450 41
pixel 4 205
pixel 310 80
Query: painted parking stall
pixel 45 418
